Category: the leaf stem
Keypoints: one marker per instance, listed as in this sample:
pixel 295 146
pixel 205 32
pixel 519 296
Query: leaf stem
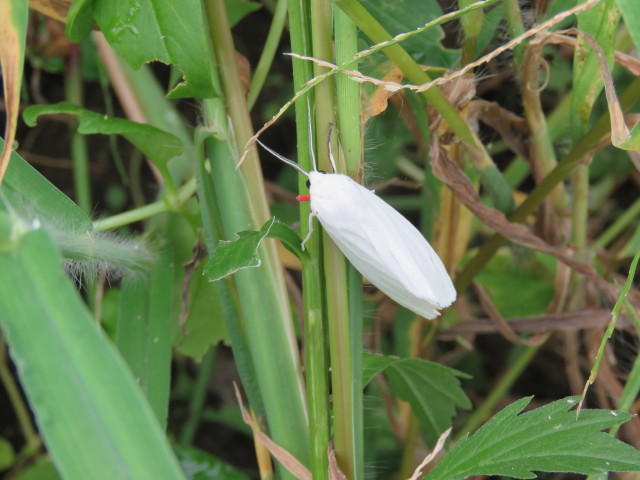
pixel 268 52
pixel 184 193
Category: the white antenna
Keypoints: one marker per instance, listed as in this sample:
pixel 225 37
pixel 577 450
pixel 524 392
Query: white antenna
pixel 284 159
pixel 311 149
pixel 331 159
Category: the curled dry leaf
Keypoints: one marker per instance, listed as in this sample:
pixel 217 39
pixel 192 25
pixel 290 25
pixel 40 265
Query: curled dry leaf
pixel 450 174
pixel 56 9
pixel 512 128
pixel 334 470
pixel 436 450
pixel 288 461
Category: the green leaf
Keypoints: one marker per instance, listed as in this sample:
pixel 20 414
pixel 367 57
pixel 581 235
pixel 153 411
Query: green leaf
pixel 79 20
pixel 30 194
pixel 199 465
pixel 93 417
pixel 205 324
pixel 406 16
pixel 548 439
pixel 158 145
pixel 631 16
pixel 238 9
pixel 168 32
pixel 232 256
pixel 43 469
pixel 433 390
pixel 531 274
pixel 7 455
pixel 144 332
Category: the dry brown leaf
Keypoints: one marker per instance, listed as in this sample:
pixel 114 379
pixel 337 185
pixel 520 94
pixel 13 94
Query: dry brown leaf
pixel 334 470
pixel 288 461
pixel 503 326
pixel 450 174
pixel 379 101
pixel 511 127
pixel 436 449
pixel 566 321
pixel 56 9
pixel 11 46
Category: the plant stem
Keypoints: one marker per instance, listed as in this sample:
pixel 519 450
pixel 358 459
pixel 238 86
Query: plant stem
pixel 626 218
pixel 268 52
pixel 32 440
pixel 350 134
pixel 79 152
pixel 184 193
pixel 198 395
pixel 317 371
pixel 335 271
pixel 504 384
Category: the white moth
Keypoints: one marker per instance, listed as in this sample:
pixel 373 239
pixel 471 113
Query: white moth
pixel 380 243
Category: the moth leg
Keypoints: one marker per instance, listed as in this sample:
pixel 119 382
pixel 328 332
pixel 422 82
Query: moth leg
pixel 311 215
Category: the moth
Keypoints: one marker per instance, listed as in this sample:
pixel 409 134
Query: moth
pixel 378 241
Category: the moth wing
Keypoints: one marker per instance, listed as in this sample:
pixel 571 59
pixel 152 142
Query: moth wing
pixel 388 250
pixel 406 252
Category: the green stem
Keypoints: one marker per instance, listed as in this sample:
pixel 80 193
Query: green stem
pixel 317 372
pixel 32 440
pixel 184 193
pixel 198 395
pixel 79 151
pixel 268 52
pixel 409 448
pixel 628 217
pixel 350 134
pixel 515 28
pixel 334 263
pixel 512 373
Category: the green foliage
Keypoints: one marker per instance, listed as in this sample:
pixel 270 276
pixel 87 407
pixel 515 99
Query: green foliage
pixel 531 273
pixel 148 31
pixel 158 145
pixel 631 17
pixel 232 256
pixel 547 439
pixel 415 13
pixel 433 390
pixel 29 194
pixel 87 405
pixel 199 465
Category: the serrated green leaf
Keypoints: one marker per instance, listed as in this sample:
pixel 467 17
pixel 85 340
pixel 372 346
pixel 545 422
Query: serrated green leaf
pixel 168 32
pixel 432 390
pixel 158 145
pixel 547 439
pixel 234 255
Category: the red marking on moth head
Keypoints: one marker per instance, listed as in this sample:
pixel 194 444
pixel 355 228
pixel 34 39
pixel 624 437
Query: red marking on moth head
pixel 303 198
